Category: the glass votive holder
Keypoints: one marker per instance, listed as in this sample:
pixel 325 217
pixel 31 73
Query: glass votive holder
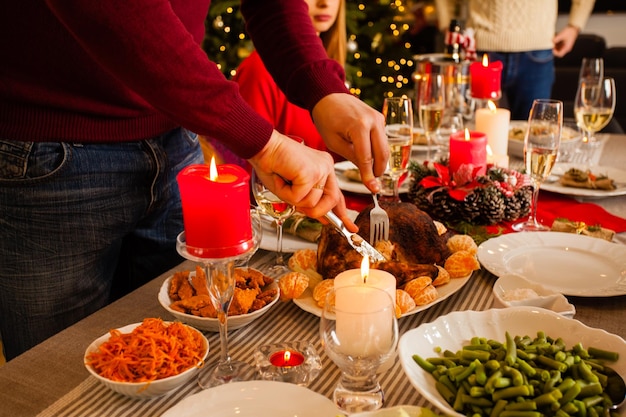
pixel 296 362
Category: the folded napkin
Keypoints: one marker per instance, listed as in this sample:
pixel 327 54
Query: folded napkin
pixel 303 227
pixel 585 179
pixel 581 228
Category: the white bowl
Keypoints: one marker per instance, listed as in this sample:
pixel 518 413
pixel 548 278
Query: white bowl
pixel 454 330
pixel 570 138
pixel 212 324
pixel 150 389
pixel 508 284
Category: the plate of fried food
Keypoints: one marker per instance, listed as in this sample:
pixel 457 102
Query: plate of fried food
pixel 597 182
pixel 185 296
pixel 425 275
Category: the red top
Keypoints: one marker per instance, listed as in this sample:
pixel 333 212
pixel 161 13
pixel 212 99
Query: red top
pixel 258 88
pixel 102 71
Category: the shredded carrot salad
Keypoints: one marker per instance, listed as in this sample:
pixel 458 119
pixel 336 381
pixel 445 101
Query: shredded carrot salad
pixel 153 350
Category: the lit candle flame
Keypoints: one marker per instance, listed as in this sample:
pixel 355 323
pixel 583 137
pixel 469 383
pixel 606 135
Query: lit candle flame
pixel 491 106
pixel 485 60
pixel 365 268
pixel 287 356
pixel 467 134
pixel 213 170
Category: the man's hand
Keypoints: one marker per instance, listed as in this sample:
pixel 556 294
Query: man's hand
pixel 301 176
pixel 356 131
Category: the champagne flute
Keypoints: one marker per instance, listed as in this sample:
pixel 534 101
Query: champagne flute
pixel 277 209
pixel 398 113
pixel 594 106
pixel 591 69
pixel 431 102
pixel 541 146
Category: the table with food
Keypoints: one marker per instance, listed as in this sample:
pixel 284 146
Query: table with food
pixel 489 321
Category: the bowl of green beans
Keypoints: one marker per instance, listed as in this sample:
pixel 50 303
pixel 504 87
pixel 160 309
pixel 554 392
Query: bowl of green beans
pixel 513 362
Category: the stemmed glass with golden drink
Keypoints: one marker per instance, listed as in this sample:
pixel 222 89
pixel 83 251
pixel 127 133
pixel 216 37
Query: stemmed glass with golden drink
pixel 398 113
pixel 431 101
pixel 541 145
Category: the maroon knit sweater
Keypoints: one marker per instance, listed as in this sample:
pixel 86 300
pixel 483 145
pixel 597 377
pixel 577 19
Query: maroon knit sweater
pixel 126 70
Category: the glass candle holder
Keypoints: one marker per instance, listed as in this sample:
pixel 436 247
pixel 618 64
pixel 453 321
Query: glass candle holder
pixel 296 362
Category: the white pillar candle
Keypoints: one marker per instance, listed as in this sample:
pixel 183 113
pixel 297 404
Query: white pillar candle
pixel 366 276
pixel 364 320
pixel 494 123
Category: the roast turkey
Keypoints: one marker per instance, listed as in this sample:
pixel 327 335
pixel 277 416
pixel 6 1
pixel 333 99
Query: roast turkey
pixel 415 248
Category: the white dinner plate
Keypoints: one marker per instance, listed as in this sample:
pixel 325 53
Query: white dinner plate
pixel 455 330
pixel 308 304
pixel 617 175
pixel 354 186
pixel 291 243
pixel 568 263
pixel 255 399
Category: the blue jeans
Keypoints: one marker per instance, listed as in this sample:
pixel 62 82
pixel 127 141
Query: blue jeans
pixel 82 224
pixel 526 76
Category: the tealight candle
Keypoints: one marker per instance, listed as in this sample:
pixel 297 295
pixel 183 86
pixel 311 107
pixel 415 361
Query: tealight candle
pixel 468 148
pixel 216 209
pixel 485 79
pixel 494 122
pixel 287 358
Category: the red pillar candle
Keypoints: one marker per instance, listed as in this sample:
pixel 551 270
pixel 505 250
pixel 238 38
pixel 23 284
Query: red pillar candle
pixel 468 148
pixel 485 79
pixel 216 210
pixel 286 358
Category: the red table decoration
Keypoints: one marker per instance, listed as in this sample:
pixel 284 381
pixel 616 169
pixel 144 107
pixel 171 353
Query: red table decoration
pixel 287 358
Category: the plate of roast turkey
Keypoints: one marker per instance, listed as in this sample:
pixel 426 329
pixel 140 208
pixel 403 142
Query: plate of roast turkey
pixel 429 262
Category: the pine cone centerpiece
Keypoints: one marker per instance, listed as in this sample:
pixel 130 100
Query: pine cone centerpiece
pixel 499 195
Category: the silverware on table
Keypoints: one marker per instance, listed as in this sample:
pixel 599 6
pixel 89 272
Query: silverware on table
pixel 379 223
pixel 357 242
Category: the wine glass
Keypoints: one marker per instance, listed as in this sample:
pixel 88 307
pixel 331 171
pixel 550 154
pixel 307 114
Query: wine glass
pixel 541 145
pixel 359 333
pixel 277 209
pixel 591 69
pixel 594 107
pixel 451 123
pixel 398 113
pixel 220 276
pixel 431 101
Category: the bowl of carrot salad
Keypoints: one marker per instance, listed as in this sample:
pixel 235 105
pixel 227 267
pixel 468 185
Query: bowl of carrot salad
pixel 147 359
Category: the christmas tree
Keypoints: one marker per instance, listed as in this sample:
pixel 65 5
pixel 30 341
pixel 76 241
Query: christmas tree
pixel 379 61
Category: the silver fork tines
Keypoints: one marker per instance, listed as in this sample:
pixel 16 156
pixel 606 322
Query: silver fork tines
pixel 379 223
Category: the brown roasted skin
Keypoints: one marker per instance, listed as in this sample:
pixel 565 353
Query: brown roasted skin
pixel 413 233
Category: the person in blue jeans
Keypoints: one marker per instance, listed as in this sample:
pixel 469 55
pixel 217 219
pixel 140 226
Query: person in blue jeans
pixel 98 102
pixel 521 34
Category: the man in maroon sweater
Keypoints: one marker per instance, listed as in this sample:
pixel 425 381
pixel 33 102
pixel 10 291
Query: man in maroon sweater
pixel 98 100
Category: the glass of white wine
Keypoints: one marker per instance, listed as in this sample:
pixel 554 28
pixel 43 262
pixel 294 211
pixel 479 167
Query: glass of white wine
pixel 277 209
pixel 541 145
pixel 431 101
pixel 398 113
pixel 594 106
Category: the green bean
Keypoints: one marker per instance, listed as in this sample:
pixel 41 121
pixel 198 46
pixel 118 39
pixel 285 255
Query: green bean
pixel 522 405
pixel 424 364
pixel 570 394
pixel 447 382
pixel 478 401
pixel 445 392
pixel 506 413
pixel 511 392
pixel 549 398
pixel 515 375
pixel 552 363
pixel 603 354
pixel 593 388
pixel 585 372
pixel 524 367
pixel 481 373
pixel 458 401
pixel 511 350
pixel 481 355
pixel 498 408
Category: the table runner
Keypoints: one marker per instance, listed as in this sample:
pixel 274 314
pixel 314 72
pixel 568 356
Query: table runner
pixel 285 321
